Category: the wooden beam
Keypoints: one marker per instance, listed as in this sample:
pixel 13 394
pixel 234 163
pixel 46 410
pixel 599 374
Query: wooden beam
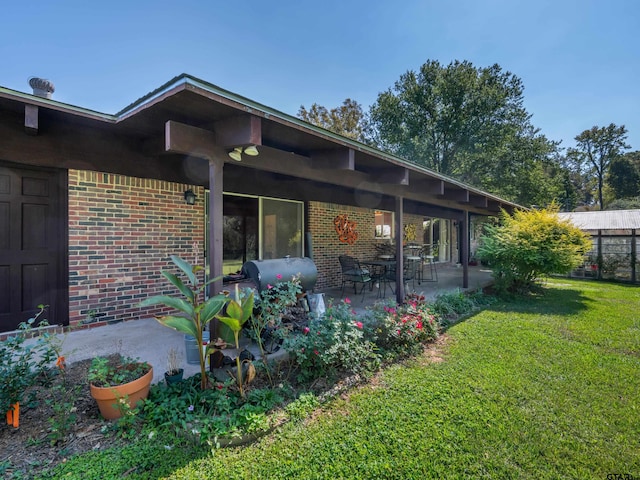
pixel 478 200
pixel 238 130
pixel 188 140
pixel 457 194
pixel 431 187
pixel 392 176
pixel 342 159
pixel 31 119
pixel 494 206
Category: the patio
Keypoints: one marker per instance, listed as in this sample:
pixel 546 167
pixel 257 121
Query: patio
pixel 148 340
pixel 449 280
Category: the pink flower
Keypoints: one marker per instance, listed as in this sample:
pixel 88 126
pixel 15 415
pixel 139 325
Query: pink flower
pixel 269 286
pixel 346 300
pixel 359 325
pixel 305 330
pixel 219 387
pixel 279 276
pixel 419 325
pixel 316 352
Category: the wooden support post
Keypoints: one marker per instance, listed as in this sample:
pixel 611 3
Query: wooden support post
pixel 399 233
pixel 465 249
pixel 215 232
pixel 600 261
pixel 634 255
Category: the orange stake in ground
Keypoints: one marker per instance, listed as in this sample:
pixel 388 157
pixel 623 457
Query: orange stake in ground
pixel 13 415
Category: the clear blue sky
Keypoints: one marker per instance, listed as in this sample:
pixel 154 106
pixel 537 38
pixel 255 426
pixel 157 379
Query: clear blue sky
pixel 579 60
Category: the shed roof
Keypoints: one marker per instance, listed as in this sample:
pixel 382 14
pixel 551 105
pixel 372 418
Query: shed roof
pixel 604 220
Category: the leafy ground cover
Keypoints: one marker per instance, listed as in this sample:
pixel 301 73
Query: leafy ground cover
pixel 542 387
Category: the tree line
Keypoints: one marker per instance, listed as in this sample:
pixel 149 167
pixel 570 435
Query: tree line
pixel 469 123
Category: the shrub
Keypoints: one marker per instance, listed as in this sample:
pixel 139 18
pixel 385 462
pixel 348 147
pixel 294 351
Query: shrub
pixel 23 365
pixel 401 329
pixel 331 343
pixel 531 244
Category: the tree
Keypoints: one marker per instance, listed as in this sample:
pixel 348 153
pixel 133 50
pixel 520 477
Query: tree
pixel 596 149
pixel 531 244
pixel 624 175
pixel 348 120
pixel 468 123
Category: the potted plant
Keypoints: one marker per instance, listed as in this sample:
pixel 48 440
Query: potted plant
pixel 174 373
pixel 117 383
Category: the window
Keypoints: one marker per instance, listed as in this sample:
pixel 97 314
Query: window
pixel 281 228
pixel 384 224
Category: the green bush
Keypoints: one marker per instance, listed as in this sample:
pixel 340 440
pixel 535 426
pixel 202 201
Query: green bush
pixel 24 365
pixel 529 245
pixel 334 342
pixel 401 329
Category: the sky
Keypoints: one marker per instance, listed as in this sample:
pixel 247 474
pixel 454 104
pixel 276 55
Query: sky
pixel 579 60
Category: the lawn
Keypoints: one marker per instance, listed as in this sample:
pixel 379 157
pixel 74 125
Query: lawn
pixel 542 388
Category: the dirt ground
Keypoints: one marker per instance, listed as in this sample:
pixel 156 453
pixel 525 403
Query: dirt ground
pixel 28 449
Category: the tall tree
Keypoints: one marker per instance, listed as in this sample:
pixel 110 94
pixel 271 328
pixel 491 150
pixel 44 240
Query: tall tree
pixel 468 123
pixel 348 119
pixel 596 149
pixel 624 177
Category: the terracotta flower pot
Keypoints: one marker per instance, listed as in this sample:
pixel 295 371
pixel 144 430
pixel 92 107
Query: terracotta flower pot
pixel 108 397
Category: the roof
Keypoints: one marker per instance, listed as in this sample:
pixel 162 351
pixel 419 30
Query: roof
pixel 199 103
pixel 604 220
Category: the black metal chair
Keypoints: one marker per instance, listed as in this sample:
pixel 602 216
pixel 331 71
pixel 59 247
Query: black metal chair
pixel 354 273
pixel 428 261
pixel 409 274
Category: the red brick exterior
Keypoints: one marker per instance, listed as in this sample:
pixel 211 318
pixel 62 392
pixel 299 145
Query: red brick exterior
pixel 327 247
pixel 122 231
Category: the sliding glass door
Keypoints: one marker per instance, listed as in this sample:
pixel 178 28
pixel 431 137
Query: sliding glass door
pixel 281 228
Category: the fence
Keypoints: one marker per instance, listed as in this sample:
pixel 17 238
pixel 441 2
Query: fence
pixel 612 257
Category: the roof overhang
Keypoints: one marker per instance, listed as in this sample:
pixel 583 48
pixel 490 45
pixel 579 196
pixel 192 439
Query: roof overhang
pixel 189 120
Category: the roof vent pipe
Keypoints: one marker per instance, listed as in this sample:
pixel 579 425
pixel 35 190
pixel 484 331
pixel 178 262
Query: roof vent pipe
pixel 41 87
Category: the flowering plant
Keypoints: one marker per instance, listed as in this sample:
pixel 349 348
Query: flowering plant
pixel 331 343
pixel 398 329
pixel 273 303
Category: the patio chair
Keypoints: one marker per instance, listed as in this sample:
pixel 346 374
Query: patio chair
pixel 428 261
pixel 354 273
pixel 409 273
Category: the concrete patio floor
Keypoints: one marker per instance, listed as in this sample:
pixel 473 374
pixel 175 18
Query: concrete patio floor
pixel 449 280
pixel 147 340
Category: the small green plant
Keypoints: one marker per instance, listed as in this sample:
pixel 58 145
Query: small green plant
pixel 115 370
pixel 24 365
pixel 237 312
pixel 196 312
pixel 302 407
pixel 331 343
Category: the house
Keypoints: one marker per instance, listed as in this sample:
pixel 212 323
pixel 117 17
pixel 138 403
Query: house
pixel 92 205
pixel 615 243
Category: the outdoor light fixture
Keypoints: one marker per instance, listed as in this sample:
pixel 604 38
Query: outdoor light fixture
pixel 252 151
pixel 190 197
pixel 237 152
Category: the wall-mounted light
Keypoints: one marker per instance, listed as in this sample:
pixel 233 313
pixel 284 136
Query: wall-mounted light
pixel 237 152
pixel 190 197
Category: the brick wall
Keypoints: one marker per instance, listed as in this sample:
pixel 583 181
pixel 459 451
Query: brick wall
pixel 327 247
pixel 122 231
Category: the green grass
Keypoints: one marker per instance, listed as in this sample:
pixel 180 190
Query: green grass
pixel 541 388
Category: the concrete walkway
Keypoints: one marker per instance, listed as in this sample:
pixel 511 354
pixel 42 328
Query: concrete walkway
pixel 150 341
